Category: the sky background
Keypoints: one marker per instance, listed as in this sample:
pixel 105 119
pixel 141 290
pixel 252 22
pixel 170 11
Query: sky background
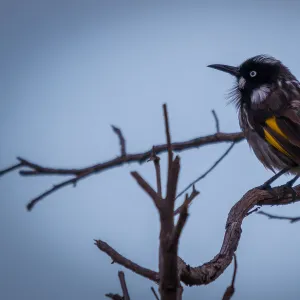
pixel 70 69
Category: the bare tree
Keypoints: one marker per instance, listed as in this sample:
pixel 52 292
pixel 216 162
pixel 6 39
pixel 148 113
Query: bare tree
pixel 173 271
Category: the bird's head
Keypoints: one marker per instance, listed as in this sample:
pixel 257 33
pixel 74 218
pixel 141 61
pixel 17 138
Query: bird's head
pixel 256 77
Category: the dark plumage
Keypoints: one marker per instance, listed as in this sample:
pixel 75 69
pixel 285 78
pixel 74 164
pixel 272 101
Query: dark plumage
pixel 267 96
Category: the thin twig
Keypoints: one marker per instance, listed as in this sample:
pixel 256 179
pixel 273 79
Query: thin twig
pixel 147 188
pixel 193 195
pixel 216 120
pixel 11 168
pixel 291 219
pixel 208 171
pixel 168 135
pixel 122 141
pixel 231 289
pixel 154 293
pixel 156 161
pixel 253 211
pixel 114 296
pixel 123 285
pixel 123 261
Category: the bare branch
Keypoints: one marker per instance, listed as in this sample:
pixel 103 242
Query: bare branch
pixel 11 168
pixel 122 141
pixel 216 120
pixel 231 289
pixel 208 171
pixel 291 219
pixel 183 215
pixel 172 183
pixel 81 173
pixel 168 136
pixel 118 258
pixel 193 195
pixel 156 161
pixel 147 188
pixel 123 285
pixel 114 296
pixel 154 293
pixel 211 270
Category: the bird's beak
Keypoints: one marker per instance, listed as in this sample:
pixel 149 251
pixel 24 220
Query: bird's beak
pixel 228 69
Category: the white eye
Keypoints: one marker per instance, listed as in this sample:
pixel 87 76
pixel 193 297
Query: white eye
pixel 252 73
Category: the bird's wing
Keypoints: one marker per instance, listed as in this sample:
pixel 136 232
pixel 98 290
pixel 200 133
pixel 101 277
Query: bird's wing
pixel 282 130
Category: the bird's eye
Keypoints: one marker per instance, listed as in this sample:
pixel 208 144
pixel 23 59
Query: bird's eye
pixel 252 73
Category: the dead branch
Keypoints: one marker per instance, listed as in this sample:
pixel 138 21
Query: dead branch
pixel 123 285
pixel 211 270
pixel 208 171
pixel 231 289
pixel 124 289
pixel 291 219
pixel 216 120
pixel 33 169
pixel 122 141
pixel 193 195
pixel 154 293
pixel 114 296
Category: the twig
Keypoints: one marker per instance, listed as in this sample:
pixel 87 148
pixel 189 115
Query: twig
pixel 114 296
pixel 79 174
pixel 147 188
pixel 216 120
pixel 291 219
pixel 123 261
pixel 208 171
pixel 156 161
pixel 231 289
pixel 123 285
pixel 154 293
pixel 11 168
pixel 168 135
pixel 211 270
pixel 122 141
pixel 193 195
pixel 253 211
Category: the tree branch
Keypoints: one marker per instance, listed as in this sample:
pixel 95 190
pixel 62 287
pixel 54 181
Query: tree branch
pixel 156 161
pixel 211 270
pixel 122 141
pixel 216 120
pixel 11 168
pixel 208 171
pixel 123 285
pixel 193 195
pixel 291 219
pixel 33 169
pixel 123 261
pixel 183 215
pixel 231 289
pixel 147 188
pixel 154 293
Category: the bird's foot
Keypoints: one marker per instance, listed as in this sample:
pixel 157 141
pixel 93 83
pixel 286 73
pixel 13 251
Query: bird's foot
pixel 289 187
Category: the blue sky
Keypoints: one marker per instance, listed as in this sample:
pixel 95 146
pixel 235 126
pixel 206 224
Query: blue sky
pixel 70 69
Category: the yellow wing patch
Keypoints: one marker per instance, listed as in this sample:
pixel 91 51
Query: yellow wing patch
pixel 274 143
pixel 271 122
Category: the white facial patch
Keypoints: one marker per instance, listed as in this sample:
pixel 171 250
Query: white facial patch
pixel 242 83
pixel 260 94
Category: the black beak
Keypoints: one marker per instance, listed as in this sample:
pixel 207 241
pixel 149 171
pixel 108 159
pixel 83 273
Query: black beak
pixel 228 69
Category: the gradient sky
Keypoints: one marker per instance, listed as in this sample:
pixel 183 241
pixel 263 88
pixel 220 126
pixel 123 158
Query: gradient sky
pixel 69 69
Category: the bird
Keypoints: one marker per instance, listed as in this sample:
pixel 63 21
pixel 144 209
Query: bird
pixel 267 97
